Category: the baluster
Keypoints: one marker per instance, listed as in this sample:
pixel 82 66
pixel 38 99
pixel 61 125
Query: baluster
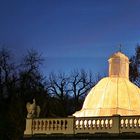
pixel 135 122
pixel 93 124
pixel 126 123
pixel 46 125
pixel 106 123
pixel 38 125
pixel 58 125
pixel 110 123
pixel 89 124
pixel 85 123
pixel 66 123
pixel 34 125
pixel 50 125
pixel 102 123
pixel 138 122
pixel 81 124
pixel 54 123
pixel 77 124
pixel 130 123
pixel 62 123
pixel 42 125
pixel 97 123
pixel 122 123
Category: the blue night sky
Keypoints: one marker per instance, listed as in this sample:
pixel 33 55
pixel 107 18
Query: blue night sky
pixel 70 34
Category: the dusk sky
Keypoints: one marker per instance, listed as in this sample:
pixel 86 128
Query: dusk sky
pixel 70 34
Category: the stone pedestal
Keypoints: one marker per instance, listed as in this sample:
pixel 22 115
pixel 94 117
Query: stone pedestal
pixel 28 130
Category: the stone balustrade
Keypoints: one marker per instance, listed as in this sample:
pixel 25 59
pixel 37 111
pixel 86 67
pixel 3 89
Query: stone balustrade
pixel 71 125
pixel 94 125
pixel 130 124
pixel 52 126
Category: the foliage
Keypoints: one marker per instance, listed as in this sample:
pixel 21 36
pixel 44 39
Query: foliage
pixel 134 67
pixel 59 95
pixel 19 84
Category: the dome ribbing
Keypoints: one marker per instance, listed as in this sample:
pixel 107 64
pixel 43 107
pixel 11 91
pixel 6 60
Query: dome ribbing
pixel 114 94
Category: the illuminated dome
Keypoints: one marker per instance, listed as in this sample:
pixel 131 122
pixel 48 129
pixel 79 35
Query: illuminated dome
pixel 114 94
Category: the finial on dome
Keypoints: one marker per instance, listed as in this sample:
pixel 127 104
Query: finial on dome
pixel 120 48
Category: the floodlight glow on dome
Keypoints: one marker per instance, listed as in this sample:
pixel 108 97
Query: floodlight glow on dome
pixel 114 94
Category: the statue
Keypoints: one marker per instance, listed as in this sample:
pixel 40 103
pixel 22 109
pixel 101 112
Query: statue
pixel 32 109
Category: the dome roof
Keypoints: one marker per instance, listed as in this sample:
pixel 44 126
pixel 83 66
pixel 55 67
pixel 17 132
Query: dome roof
pixel 119 55
pixel 112 96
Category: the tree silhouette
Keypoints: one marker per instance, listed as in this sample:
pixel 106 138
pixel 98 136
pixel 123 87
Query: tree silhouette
pixel 134 67
pixel 58 95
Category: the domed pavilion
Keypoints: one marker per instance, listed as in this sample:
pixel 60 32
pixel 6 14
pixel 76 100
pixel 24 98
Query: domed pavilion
pixel 113 95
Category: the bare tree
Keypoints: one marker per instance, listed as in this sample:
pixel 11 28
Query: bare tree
pixel 58 86
pixel 7 72
pixel 30 76
pixel 81 83
pixel 32 61
pixel 70 89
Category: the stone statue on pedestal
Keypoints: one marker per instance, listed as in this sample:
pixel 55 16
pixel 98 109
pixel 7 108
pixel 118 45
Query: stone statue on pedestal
pixel 32 109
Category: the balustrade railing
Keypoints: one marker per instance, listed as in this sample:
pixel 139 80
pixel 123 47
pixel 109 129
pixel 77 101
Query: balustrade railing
pixel 130 124
pixel 52 126
pixel 93 125
pixel 72 125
